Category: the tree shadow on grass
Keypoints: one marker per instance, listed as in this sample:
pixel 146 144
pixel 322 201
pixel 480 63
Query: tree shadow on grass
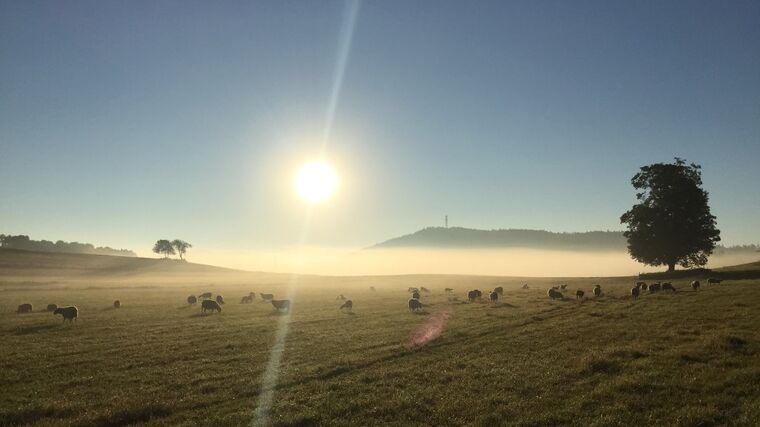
pixel 36 328
pixel 201 314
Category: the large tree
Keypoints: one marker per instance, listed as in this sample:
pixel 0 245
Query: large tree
pixel 672 224
pixel 164 247
pixel 181 246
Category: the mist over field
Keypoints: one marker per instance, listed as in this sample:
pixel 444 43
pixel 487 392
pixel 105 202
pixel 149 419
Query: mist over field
pixel 497 262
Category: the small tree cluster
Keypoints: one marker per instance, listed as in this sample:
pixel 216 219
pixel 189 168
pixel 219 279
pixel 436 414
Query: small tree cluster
pixel 171 247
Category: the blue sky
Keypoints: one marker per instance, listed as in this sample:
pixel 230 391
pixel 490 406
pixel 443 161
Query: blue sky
pixel 125 122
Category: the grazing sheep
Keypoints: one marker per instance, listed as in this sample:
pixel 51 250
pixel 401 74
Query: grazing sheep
pixel 52 307
pixel 424 289
pixel 246 299
pixel 695 285
pixel 341 297
pixel 644 286
pixel 24 308
pixel 525 286
pixel 499 290
pixel 416 295
pixel 563 286
pixel 348 305
pixel 579 294
pixel 474 294
pixel 117 304
pixel 714 281
pixel 279 304
pixel 635 292
pixel 220 299
pixel 654 287
pixel 554 294
pixel 597 291
pixel 266 297
pixel 494 296
pixel 192 299
pixel 641 285
pixel 414 304
pixel 448 290
pixel 208 304
pixel 667 286
pixel 205 295
pixel 68 313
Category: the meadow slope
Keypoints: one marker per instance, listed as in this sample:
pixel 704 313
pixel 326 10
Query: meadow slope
pixel 689 358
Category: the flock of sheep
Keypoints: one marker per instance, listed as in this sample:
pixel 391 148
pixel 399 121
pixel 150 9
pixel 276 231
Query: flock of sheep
pixel 71 313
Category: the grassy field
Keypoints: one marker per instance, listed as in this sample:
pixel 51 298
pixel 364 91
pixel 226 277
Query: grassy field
pixel 689 358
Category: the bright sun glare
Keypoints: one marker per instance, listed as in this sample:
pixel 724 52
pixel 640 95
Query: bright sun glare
pixel 315 182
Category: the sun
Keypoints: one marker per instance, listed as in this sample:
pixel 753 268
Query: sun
pixel 315 182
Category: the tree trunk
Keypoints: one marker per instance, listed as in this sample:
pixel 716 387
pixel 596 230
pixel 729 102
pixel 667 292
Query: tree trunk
pixel 671 267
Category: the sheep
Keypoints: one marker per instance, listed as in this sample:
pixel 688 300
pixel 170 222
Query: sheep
pixel 220 299
pixel 641 285
pixel 563 286
pixel 635 292
pixel 209 304
pixel 424 289
pixel 192 299
pixel 525 286
pixel 579 294
pixel 448 290
pixel 499 290
pixel 667 286
pixel 654 287
pixel 348 305
pixel 281 304
pixel 247 299
pixel 473 295
pixel 117 304
pixel 714 281
pixel 24 308
pixel 414 304
pixel 554 294
pixel 695 285
pixel 416 295
pixel 494 296
pixel 205 295
pixel 644 286
pixel 341 297
pixel 52 307
pixel 597 291
pixel 69 313
pixel 266 297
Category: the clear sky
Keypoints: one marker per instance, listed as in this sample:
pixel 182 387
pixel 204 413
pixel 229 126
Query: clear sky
pixel 125 122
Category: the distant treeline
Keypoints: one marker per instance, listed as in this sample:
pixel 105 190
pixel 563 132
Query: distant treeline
pixel 25 243
pixel 457 237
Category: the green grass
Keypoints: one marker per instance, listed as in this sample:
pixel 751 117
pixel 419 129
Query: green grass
pixel 689 358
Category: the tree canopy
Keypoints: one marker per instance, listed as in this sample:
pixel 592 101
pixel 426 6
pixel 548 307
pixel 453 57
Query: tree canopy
pixel 164 247
pixel 181 247
pixel 672 224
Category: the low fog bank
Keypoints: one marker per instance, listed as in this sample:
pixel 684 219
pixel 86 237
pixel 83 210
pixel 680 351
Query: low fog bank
pixel 498 262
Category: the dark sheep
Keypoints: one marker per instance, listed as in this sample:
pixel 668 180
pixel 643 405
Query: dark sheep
pixel 281 304
pixel 117 304
pixel 494 296
pixel 644 286
pixel 563 286
pixel 52 307
pixel 714 281
pixel 208 304
pixel 635 292
pixel 654 287
pixel 24 308
pixel 473 295
pixel 414 304
pixel 68 313
pixel 499 290
pixel 554 294
pixel 348 305
pixel 579 294
pixel 597 291
pixel 220 299
pixel 205 295
pixel 416 295
pixel 667 286
pixel 695 285
pixel 267 297
pixel 641 285
pixel 192 299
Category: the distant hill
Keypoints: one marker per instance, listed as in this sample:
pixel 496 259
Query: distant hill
pixel 457 237
pixel 25 243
